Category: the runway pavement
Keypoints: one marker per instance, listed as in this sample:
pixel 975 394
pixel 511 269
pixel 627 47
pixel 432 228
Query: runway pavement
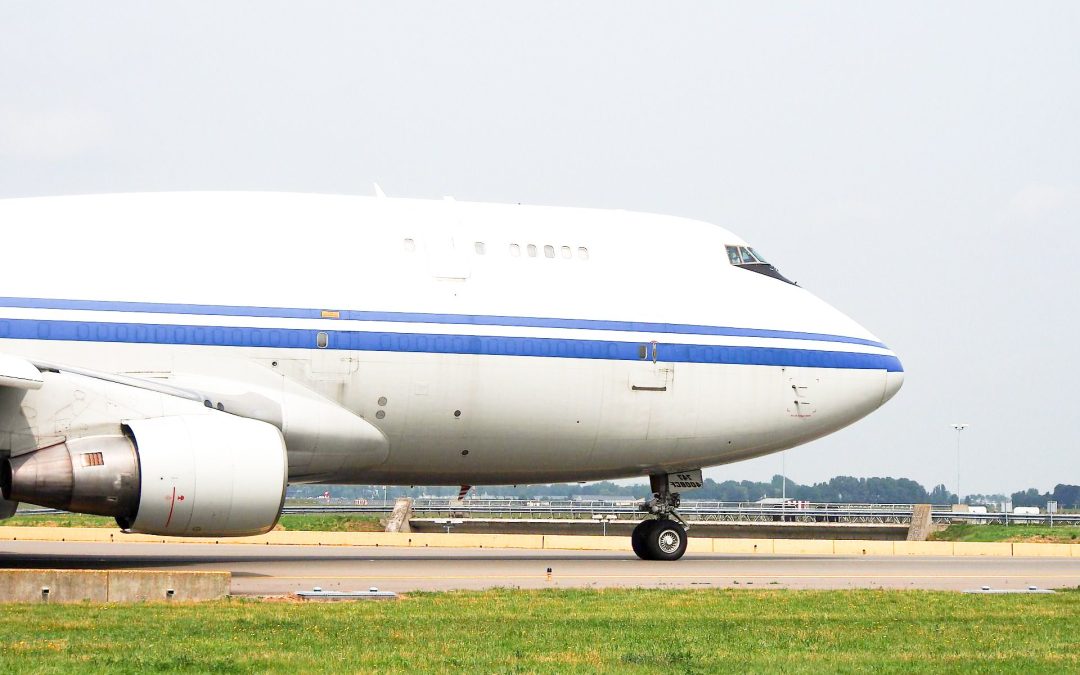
pixel 278 570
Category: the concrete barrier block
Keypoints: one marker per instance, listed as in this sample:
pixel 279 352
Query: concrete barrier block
pixel 529 541
pixel 464 540
pixel 62 585
pixel 144 586
pixel 443 540
pixel 344 538
pixel 996 548
pixel 300 538
pixel 803 547
pixel 698 545
pixel 742 546
pixel 929 548
pixel 337 538
pixel 1075 548
pixel 88 534
pixel 586 543
pixel 428 539
pixel 922 522
pixel 384 538
pixel 260 539
pixel 399 517
pixel 1026 550
pixel 857 547
pixel 139 538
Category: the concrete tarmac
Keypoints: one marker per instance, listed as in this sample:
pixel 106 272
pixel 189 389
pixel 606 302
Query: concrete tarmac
pixel 279 570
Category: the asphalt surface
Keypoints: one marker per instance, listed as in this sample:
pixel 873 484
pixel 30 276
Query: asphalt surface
pixel 279 570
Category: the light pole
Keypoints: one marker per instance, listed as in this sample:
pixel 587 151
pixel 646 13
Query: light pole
pixel 959 428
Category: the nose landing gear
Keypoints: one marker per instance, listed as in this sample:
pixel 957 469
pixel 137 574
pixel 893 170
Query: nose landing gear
pixel 662 538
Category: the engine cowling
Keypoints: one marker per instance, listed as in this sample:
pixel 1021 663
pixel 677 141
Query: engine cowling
pixel 212 475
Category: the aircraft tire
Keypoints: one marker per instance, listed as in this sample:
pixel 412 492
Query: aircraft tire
pixel 665 540
pixel 637 539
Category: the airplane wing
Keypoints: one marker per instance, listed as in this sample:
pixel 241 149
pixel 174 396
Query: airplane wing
pixel 135 449
pixel 235 433
pixel 16 373
pixel 19 373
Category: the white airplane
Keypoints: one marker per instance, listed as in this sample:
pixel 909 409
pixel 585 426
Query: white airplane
pixel 176 360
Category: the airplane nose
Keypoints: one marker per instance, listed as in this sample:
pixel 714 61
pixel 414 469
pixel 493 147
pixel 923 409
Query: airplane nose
pixel 894 379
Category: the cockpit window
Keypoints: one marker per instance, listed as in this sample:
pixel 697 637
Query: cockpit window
pixel 749 259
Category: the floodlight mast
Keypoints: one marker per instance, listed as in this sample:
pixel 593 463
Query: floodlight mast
pixel 959 428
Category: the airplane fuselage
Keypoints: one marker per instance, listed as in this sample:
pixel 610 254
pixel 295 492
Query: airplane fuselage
pixel 437 342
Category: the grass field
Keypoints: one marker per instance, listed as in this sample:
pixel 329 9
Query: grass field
pixel 559 631
pixel 1032 533
pixel 304 522
pixel 59 520
pixel 332 523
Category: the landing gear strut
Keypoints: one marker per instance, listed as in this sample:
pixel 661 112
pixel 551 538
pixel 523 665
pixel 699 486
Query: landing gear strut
pixel 663 537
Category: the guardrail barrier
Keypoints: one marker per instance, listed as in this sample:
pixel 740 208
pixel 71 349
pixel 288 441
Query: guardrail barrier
pixel 696 511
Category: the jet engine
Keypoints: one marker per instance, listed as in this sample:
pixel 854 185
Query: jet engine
pixel 210 475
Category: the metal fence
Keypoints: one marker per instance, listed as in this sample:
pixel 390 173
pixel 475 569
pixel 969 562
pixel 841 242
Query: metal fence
pixel 697 511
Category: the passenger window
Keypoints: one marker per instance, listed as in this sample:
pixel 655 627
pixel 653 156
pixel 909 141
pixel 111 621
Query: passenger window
pixel 410 245
pixel 566 252
pixel 643 352
pixel 549 251
pixel 532 250
pixel 583 253
pixel 479 246
pixel 515 250
pixel 322 340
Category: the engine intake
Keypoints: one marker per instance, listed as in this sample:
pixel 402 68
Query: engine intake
pixel 186 475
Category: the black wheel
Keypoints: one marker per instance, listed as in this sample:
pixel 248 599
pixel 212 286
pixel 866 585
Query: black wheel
pixel 665 540
pixel 637 539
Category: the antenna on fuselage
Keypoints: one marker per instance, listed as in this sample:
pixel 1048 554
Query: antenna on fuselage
pixel 378 190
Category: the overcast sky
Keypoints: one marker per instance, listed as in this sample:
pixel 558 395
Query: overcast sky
pixel 915 164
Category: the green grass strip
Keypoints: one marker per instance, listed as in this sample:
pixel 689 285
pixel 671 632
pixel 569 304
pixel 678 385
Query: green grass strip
pixel 1016 533
pixel 562 631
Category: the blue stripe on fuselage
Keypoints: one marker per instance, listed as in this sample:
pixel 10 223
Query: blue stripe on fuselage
pixel 292 338
pixel 419 317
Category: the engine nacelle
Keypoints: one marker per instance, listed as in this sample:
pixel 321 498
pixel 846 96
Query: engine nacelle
pixel 210 475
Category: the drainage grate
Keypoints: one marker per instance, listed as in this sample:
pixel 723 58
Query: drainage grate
pixel 372 593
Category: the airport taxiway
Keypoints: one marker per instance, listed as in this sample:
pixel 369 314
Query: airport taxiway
pixel 278 570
